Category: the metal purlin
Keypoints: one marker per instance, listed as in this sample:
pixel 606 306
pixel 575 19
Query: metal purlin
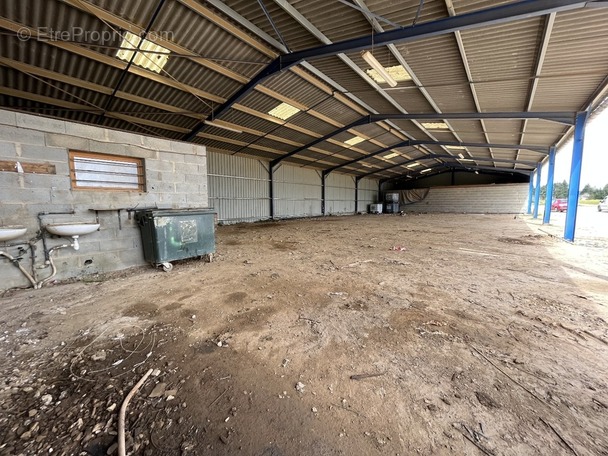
pixel 491 16
pixel 550 179
pixel 537 192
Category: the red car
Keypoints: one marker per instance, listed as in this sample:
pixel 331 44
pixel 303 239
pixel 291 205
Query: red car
pixel 559 205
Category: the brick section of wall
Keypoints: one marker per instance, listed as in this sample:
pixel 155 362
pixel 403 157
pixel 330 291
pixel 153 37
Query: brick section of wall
pixel 474 199
pixel 176 177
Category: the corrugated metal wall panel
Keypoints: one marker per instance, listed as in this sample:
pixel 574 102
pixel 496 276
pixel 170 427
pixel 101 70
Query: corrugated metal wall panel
pixel 239 190
pixel 238 187
pixel 474 199
pixel 297 192
pixel 368 194
pixel 339 194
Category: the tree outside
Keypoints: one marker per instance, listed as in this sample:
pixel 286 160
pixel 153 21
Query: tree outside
pixel 560 190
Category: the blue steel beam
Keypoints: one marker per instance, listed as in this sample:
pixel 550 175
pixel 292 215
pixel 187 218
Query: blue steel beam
pixel 537 192
pixel 530 194
pixel 490 16
pixel 575 175
pixel 550 178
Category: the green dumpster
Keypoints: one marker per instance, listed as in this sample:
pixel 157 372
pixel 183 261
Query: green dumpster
pixel 176 234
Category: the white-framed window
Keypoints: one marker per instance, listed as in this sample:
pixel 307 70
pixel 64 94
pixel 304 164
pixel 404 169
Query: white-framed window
pixel 94 171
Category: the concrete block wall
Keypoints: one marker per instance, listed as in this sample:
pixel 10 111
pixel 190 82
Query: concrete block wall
pixel 474 199
pixel 176 177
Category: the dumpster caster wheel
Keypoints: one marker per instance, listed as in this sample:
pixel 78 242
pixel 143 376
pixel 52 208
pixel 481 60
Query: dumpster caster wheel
pixel 167 267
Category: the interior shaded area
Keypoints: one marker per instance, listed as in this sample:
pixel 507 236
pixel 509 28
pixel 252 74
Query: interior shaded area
pixel 431 334
pixel 453 177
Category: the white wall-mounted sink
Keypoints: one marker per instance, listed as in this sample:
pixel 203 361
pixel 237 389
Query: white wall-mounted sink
pixel 8 233
pixel 71 229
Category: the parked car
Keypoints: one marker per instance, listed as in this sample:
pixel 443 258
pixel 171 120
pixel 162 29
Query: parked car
pixel 603 205
pixel 559 204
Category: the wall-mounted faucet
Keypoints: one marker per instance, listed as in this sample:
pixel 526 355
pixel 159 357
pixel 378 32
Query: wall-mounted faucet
pixel 72 230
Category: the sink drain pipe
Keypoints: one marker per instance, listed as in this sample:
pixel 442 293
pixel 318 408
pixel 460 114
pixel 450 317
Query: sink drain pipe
pixel 52 263
pixel 16 263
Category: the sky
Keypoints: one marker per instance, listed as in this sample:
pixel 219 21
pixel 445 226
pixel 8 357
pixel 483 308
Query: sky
pixel 595 155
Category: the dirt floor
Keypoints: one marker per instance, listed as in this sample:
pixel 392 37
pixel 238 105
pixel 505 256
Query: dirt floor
pixel 363 335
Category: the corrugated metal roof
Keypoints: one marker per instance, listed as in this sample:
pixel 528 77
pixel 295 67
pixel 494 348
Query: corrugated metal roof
pixel 403 13
pixel 293 135
pixel 334 19
pixel 295 36
pixel 411 100
pixel 503 61
pixel 294 87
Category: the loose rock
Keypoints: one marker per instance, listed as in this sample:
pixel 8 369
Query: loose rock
pixel 158 390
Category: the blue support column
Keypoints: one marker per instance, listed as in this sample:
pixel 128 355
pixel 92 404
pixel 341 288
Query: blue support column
pixel 537 192
pixel 575 175
pixel 550 177
pixel 530 193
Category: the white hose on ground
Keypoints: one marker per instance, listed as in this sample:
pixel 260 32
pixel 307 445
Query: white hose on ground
pixel 123 411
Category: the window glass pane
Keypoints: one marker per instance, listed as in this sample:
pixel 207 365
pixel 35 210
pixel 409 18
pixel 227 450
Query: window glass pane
pixel 89 172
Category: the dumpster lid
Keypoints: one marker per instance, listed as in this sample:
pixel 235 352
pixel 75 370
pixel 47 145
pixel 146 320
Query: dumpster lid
pixel 172 212
pixel 152 213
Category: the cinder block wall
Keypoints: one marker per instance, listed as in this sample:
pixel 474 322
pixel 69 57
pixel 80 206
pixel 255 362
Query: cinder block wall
pixel 176 177
pixel 474 199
